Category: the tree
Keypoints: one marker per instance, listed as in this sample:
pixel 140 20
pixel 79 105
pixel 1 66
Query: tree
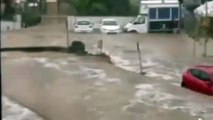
pixel 197 28
pixel 9 10
pixel 119 7
pixel 101 7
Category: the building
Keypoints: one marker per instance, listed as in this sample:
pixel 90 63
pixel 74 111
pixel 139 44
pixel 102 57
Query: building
pixel 52 7
pixel 2 8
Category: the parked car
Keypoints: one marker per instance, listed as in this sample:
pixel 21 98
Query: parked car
pixel 83 26
pixel 199 78
pixel 110 26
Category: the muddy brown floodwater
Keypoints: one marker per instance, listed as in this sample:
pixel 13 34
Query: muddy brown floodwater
pixel 60 86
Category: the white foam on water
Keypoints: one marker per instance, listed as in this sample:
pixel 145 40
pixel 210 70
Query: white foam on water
pixel 94 73
pixel 57 66
pixel 48 64
pixel 176 84
pixel 163 76
pixel 73 59
pixel 151 95
pixel 149 63
pixel 64 63
pixel 14 111
pixel 152 74
pixel 124 64
pixel 113 80
pixel 120 61
pixel 41 60
pixel 70 72
pixel 22 60
pixel 145 86
pixel 99 83
pixel 52 65
pixel 133 66
pixel 131 104
pixel 197 109
pixel 99 74
pixel 88 97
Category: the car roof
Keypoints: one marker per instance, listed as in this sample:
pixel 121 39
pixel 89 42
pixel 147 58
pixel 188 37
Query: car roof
pixel 206 68
pixel 109 19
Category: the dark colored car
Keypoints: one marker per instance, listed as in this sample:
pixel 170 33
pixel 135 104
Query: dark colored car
pixel 199 79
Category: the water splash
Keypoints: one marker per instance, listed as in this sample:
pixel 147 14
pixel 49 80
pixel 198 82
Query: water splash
pixel 14 111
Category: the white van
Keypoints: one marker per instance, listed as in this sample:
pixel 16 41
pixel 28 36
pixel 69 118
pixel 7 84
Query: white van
pixel 155 16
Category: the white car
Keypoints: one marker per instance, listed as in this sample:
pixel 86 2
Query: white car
pixel 110 26
pixel 83 26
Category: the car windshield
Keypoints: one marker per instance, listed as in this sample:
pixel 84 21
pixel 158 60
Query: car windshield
pixel 133 20
pixel 110 23
pixel 83 23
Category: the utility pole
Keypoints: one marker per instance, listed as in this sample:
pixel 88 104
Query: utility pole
pixel 67 32
pixel 100 46
pixel 140 59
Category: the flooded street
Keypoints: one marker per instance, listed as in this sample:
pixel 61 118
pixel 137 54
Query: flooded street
pixel 11 110
pixel 61 86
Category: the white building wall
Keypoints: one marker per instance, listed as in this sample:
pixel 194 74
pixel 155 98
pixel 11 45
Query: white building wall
pixel 8 25
pixel 51 0
pixel 96 20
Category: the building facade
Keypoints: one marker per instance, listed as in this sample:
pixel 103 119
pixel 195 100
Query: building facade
pixel 52 7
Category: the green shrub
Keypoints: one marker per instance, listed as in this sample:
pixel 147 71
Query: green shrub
pixel 211 28
pixel 31 18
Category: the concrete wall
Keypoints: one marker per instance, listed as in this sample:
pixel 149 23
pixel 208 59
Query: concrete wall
pixel 71 20
pixel 97 20
pixel 53 19
pixel 8 25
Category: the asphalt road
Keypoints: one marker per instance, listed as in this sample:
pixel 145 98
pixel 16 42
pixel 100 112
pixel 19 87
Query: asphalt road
pixel 60 86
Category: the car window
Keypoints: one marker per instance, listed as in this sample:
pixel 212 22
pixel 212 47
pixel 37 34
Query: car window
pixel 200 74
pixel 139 20
pixel 110 23
pixel 204 76
pixel 195 73
pixel 83 23
pixel 133 20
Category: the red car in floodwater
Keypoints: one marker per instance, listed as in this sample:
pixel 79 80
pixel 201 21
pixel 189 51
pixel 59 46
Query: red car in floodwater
pixel 199 78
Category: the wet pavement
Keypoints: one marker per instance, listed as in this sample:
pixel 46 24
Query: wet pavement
pixel 60 86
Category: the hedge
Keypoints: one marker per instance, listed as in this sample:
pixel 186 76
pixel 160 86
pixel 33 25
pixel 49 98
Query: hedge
pixel 31 18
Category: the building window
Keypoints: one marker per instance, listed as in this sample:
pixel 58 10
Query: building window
pixel 152 13
pixel 175 13
pixel 164 13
